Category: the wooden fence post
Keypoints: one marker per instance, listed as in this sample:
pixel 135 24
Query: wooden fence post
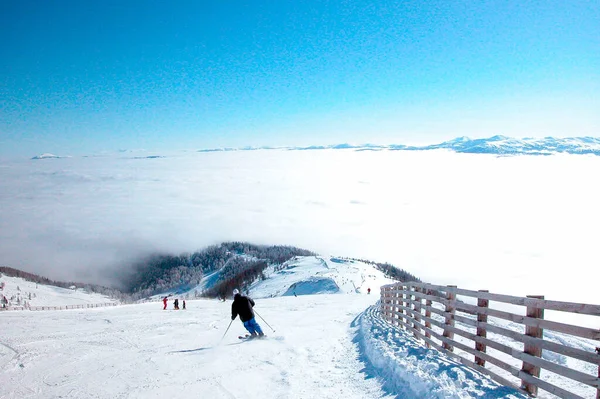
pixel 390 303
pixel 417 308
pixel 450 296
pixel 481 332
pixel 399 287
pixel 403 304
pixel 428 314
pixel 409 297
pixel 382 300
pixel 411 306
pixel 532 349
pixel 394 307
pixel 398 304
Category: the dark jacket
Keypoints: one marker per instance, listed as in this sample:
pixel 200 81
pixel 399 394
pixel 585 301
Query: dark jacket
pixel 242 305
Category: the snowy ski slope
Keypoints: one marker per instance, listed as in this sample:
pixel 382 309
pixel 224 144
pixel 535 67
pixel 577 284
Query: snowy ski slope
pixel 46 295
pixel 327 346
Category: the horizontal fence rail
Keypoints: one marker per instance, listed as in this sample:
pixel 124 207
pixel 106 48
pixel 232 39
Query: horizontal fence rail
pixel 434 315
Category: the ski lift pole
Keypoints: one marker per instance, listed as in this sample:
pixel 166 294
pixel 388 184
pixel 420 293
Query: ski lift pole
pixel 264 320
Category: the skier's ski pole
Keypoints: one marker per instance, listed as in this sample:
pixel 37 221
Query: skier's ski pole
pixel 264 320
pixel 226 330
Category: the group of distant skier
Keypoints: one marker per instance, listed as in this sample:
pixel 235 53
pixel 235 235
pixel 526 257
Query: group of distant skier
pixel 175 303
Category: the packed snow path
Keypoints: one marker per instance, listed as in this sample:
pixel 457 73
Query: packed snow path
pixel 141 351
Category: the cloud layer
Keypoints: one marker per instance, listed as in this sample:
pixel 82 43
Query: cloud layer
pixel 522 225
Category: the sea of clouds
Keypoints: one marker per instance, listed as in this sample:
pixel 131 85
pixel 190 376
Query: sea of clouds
pixel 516 225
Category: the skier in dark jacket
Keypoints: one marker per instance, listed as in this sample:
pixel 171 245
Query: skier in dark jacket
pixel 242 305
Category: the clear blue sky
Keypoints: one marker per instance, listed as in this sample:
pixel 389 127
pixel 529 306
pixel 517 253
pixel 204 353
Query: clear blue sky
pixel 85 76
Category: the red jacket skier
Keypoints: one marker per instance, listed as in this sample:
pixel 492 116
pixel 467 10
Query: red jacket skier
pixel 165 303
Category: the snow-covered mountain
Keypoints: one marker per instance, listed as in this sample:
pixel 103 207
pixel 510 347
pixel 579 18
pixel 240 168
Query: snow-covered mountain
pixel 503 145
pixel 498 145
pixel 303 275
pixel 48 156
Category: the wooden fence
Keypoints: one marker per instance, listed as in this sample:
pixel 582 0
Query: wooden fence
pixel 64 307
pixel 411 305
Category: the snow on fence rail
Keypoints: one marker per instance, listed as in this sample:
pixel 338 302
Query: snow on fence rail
pixel 64 307
pixel 410 305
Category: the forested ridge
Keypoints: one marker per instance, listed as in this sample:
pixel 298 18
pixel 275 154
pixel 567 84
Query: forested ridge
pixel 238 264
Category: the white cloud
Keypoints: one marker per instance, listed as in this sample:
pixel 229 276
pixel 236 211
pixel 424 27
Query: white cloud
pixel 522 225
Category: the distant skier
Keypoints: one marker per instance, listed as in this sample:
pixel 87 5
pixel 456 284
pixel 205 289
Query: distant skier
pixel 184 304
pixel 165 303
pixel 176 304
pixel 368 290
pixel 243 305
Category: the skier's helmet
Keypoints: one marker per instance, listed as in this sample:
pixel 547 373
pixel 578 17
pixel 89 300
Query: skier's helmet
pixel 235 292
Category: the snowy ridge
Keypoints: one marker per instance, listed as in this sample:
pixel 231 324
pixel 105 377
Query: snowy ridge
pixel 498 145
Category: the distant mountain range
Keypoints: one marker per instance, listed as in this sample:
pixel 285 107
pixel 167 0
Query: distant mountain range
pixel 497 145
pixel 47 156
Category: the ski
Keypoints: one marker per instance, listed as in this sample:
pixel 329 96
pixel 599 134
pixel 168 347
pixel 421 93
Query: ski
pixel 250 337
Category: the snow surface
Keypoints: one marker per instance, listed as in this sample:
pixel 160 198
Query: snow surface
pixel 47 295
pixel 325 346
pixel 141 351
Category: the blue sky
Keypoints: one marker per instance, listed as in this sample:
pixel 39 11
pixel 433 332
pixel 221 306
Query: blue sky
pixel 79 77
